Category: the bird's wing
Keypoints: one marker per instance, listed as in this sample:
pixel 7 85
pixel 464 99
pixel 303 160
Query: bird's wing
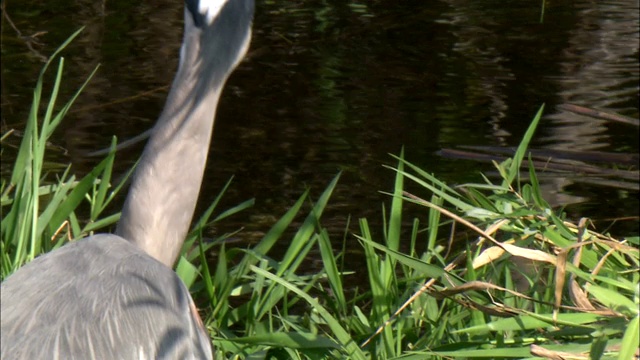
pixel 100 298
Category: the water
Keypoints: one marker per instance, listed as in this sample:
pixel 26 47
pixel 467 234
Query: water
pixel 333 86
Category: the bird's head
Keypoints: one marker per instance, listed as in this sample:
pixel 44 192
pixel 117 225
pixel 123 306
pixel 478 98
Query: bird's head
pixel 216 37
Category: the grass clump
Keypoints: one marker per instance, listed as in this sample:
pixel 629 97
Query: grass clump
pixel 39 213
pixel 516 280
pixel 490 271
pixel 525 281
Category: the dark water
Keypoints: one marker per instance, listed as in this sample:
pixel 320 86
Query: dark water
pixel 334 86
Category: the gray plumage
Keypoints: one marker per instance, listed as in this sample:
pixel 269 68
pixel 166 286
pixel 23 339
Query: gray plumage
pixel 115 296
pixel 99 298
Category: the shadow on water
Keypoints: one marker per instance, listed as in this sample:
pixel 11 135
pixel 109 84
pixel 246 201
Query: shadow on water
pixel 334 86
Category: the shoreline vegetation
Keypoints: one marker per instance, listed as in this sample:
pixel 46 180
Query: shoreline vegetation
pixel 491 271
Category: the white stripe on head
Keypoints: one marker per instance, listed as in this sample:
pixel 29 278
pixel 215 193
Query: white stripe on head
pixel 210 8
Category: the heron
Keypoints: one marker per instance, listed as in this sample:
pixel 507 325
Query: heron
pixel 115 296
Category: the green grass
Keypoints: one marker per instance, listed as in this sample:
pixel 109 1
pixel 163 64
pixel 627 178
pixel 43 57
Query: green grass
pixel 489 271
pixel 38 214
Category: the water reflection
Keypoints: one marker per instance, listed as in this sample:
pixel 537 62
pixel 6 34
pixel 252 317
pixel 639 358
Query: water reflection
pixel 332 85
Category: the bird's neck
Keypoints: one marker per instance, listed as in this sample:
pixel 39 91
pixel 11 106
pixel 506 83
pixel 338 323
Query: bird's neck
pixel 164 189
